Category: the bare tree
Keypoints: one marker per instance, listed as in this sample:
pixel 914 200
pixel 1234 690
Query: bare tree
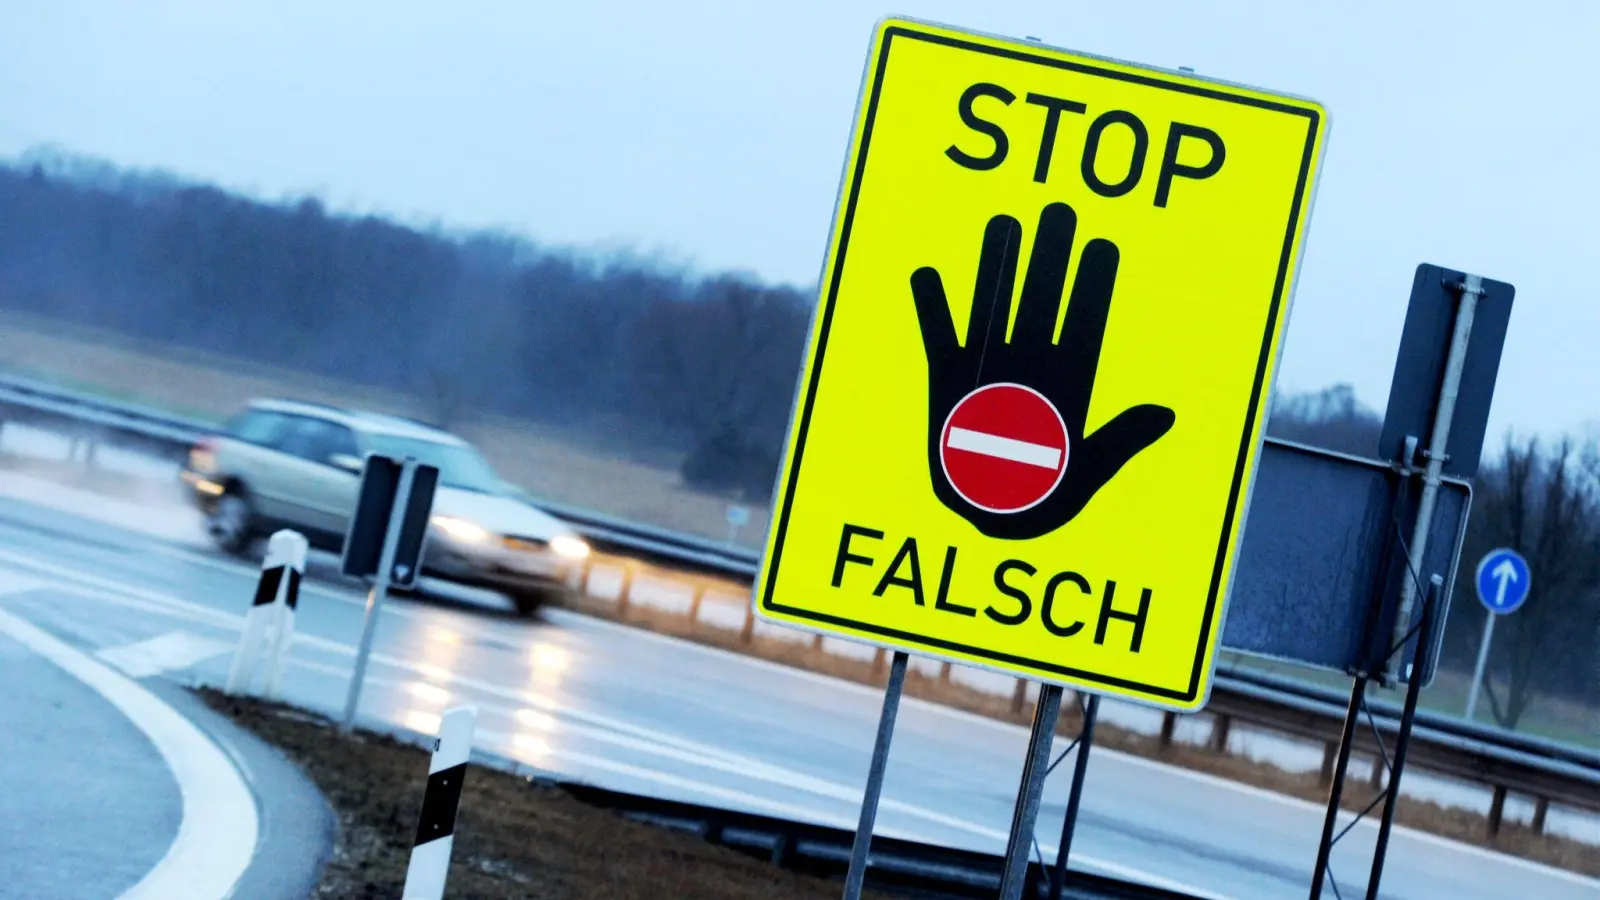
pixel 1541 500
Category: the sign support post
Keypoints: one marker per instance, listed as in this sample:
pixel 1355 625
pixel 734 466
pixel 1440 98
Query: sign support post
pixel 1026 814
pixel 1080 768
pixel 1483 662
pixel 380 589
pixel 1471 288
pixel 1389 796
pixel 857 873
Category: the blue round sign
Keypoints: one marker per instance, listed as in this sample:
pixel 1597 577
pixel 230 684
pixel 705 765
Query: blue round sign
pixel 1503 580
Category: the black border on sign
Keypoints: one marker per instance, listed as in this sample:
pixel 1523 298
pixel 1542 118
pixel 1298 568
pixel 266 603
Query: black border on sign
pixel 1313 122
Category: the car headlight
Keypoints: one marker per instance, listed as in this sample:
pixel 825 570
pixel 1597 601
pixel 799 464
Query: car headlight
pixel 461 529
pixel 569 546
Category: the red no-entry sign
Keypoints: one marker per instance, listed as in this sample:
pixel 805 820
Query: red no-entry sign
pixel 1004 447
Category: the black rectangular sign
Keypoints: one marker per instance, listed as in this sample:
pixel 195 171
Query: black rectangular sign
pixel 369 526
pixel 1419 368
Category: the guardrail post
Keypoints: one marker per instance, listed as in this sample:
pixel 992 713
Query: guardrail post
pixel 1221 724
pixel 626 590
pixel 944 672
pixel 1541 806
pixel 1169 727
pixel 1330 752
pixel 695 601
pixel 1019 696
pixel 816 643
pixel 1497 810
pixel 1376 777
pixel 878 660
pixel 748 632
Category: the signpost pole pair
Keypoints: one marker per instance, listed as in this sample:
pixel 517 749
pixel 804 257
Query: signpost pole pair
pixel 1469 365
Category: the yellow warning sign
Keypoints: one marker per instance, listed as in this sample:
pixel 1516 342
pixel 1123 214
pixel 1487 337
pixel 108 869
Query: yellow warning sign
pixel 1039 369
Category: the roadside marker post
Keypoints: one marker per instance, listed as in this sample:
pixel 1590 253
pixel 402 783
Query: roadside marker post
pixel 269 625
pixel 385 542
pixel 940 451
pixel 436 826
pixel 1503 582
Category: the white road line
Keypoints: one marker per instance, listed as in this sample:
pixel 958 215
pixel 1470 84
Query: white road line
pixel 667 745
pixel 217 836
pixel 163 653
pixel 1004 448
pixel 962 716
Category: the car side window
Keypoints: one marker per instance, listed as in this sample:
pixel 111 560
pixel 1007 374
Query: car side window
pixel 339 441
pixel 318 441
pixel 305 438
pixel 259 427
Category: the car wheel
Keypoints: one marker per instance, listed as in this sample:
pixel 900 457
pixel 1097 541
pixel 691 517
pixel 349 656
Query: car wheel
pixel 231 523
pixel 529 600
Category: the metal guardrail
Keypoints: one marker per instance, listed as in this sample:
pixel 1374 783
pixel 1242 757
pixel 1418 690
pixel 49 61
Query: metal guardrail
pixel 900 866
pixel 1507 761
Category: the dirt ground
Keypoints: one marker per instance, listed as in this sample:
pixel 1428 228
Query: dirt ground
pixel 515 838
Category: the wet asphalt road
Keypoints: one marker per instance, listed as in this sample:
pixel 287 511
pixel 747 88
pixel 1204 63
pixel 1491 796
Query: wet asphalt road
pixel 89 806
pixel 633 711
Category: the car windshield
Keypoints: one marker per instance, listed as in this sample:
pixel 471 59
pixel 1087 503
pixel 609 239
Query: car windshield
pixel 459 467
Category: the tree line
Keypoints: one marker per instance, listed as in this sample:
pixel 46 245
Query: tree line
pixel 699 367
pixel 1536 496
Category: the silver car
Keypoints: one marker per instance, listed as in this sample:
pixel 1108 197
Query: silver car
pixel 285 464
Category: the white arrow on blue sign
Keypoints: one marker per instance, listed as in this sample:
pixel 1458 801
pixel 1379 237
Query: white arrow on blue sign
pixel 1503 580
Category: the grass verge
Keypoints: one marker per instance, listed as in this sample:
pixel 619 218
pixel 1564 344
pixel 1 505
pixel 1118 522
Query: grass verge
pixel 515 837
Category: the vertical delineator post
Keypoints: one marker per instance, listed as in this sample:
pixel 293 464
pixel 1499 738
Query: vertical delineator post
pixel 436 826
pixel 380 588
pixel 269 623
pixel 856 875
pixel 1026 813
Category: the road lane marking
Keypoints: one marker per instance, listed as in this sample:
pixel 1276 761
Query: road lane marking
pixel 560 616
pixel 217 836
pixel 669 746
pixel 163 653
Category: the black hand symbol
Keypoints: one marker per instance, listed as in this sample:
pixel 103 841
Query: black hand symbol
pixel 1064 373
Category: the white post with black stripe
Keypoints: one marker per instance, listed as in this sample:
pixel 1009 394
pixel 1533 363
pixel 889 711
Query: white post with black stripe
pixel 430 852
pixel 269 625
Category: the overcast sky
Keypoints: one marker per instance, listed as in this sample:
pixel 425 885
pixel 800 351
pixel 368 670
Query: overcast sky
pixel 1463 133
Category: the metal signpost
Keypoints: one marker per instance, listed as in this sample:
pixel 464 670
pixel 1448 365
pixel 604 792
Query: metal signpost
pixel 945 489
pixel 385 542
pixel 1443 384
pixel 1503 580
